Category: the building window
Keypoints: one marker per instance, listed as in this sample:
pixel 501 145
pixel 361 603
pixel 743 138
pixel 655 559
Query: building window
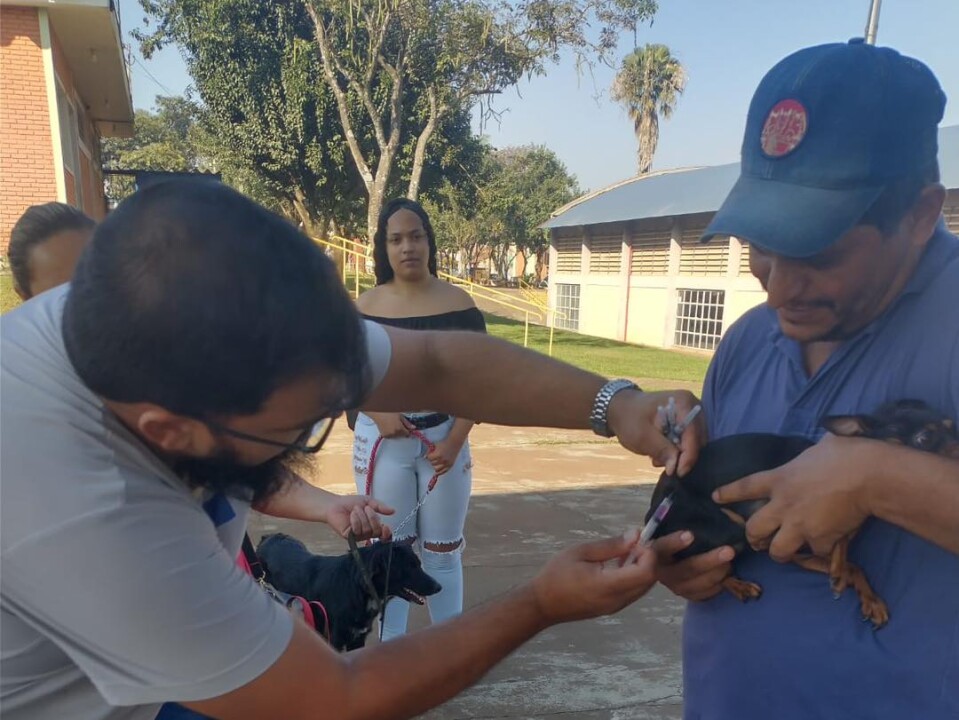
pixel 567 306
pixel 650 253
pixel 70 144
pixel 605 254
pixel 699 318
pixel 569 255
pixel 697 258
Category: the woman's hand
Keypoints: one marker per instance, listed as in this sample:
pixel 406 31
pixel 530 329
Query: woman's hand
pixel 391 425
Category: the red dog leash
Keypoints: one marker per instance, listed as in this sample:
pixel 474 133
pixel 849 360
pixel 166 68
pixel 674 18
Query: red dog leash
pixel 308 607
pixel 250 562
pixel 371 467
pixel 430 447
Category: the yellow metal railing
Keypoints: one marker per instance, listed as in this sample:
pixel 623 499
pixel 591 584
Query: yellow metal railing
pixel 539 309
pixel 532 294
pixel 530 307
pixel 354 249
pixel 499 298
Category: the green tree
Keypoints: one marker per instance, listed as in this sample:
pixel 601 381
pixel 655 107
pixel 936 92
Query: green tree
pixel 164 139
pixel 511 192
pixel 271 118
pixel 453 53
pixel 530 184
pixel 459 233
pixel 267 116
pixel 648 85
pixel 395 71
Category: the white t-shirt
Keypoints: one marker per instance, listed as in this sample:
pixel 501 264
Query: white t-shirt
pixel 117 593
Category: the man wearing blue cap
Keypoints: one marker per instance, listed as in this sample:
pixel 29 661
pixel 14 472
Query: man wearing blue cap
pixel 840 202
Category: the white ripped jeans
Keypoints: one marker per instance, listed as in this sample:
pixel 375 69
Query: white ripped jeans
pixel 401 475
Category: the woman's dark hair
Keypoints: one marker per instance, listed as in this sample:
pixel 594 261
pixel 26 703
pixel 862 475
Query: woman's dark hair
pixel 384 271
pixel 194 298
pixel 34 227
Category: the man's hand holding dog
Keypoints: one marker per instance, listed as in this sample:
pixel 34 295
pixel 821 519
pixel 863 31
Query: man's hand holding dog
pixel 815 500
pixel 359 514
pixel 696 578
pixel 300 500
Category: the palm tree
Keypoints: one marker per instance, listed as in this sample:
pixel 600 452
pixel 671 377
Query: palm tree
pixel 648 85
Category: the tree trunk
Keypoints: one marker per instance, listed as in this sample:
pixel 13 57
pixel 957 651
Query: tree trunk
pixel 373 209
pixel 648 136
pixel 315 227
pixel 375 182
pixel 422 142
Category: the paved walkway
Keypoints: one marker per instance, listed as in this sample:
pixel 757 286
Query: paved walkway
pixel 534 492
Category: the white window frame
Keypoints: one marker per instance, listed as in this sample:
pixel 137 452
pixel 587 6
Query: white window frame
pixel 70 130
pixel 567 306
pixel 699 318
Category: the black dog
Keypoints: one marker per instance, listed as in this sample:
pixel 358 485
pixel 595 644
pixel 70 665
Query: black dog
pixel 906 422
pixel 338 583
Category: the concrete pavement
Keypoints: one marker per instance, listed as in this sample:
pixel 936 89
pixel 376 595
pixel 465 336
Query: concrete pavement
pixel 535 492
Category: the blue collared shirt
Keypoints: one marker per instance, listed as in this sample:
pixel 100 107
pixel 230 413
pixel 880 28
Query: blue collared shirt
pixel 798 654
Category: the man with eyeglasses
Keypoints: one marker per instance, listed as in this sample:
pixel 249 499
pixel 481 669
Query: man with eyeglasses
pixel 203 345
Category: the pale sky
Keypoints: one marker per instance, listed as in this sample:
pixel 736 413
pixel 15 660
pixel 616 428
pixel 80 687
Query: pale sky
pixel 726 46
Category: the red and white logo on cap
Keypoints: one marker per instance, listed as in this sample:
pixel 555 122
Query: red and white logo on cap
pixel 784 129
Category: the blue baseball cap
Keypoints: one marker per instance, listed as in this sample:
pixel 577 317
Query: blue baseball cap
pixel 829 128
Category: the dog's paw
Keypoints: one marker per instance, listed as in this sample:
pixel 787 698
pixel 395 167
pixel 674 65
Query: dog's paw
pixel 875 611
pixel 838 585
pixel 742 590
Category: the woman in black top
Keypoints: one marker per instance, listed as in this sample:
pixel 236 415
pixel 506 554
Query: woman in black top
pixel 408 294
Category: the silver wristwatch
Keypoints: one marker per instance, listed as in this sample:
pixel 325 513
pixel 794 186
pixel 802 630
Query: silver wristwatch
pixel 598 418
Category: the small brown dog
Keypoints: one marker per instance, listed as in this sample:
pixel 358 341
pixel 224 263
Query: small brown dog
pixel 906 422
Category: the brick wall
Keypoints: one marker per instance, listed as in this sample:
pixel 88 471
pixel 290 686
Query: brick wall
pixel 26 149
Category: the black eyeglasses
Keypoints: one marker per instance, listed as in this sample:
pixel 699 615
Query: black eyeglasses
pixel 308 441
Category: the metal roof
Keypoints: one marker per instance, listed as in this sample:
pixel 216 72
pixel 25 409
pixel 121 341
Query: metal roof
pixel 694 190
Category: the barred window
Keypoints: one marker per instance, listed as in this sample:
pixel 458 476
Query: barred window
pixel 699 318
pixel 567 306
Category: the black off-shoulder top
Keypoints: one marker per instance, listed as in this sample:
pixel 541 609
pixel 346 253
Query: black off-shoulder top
pixel 468 319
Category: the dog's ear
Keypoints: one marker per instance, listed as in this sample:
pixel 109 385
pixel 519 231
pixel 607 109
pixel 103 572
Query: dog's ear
pixel 849 425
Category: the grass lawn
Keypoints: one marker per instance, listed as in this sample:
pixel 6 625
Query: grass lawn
pixel 8 298
pixel 653 367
